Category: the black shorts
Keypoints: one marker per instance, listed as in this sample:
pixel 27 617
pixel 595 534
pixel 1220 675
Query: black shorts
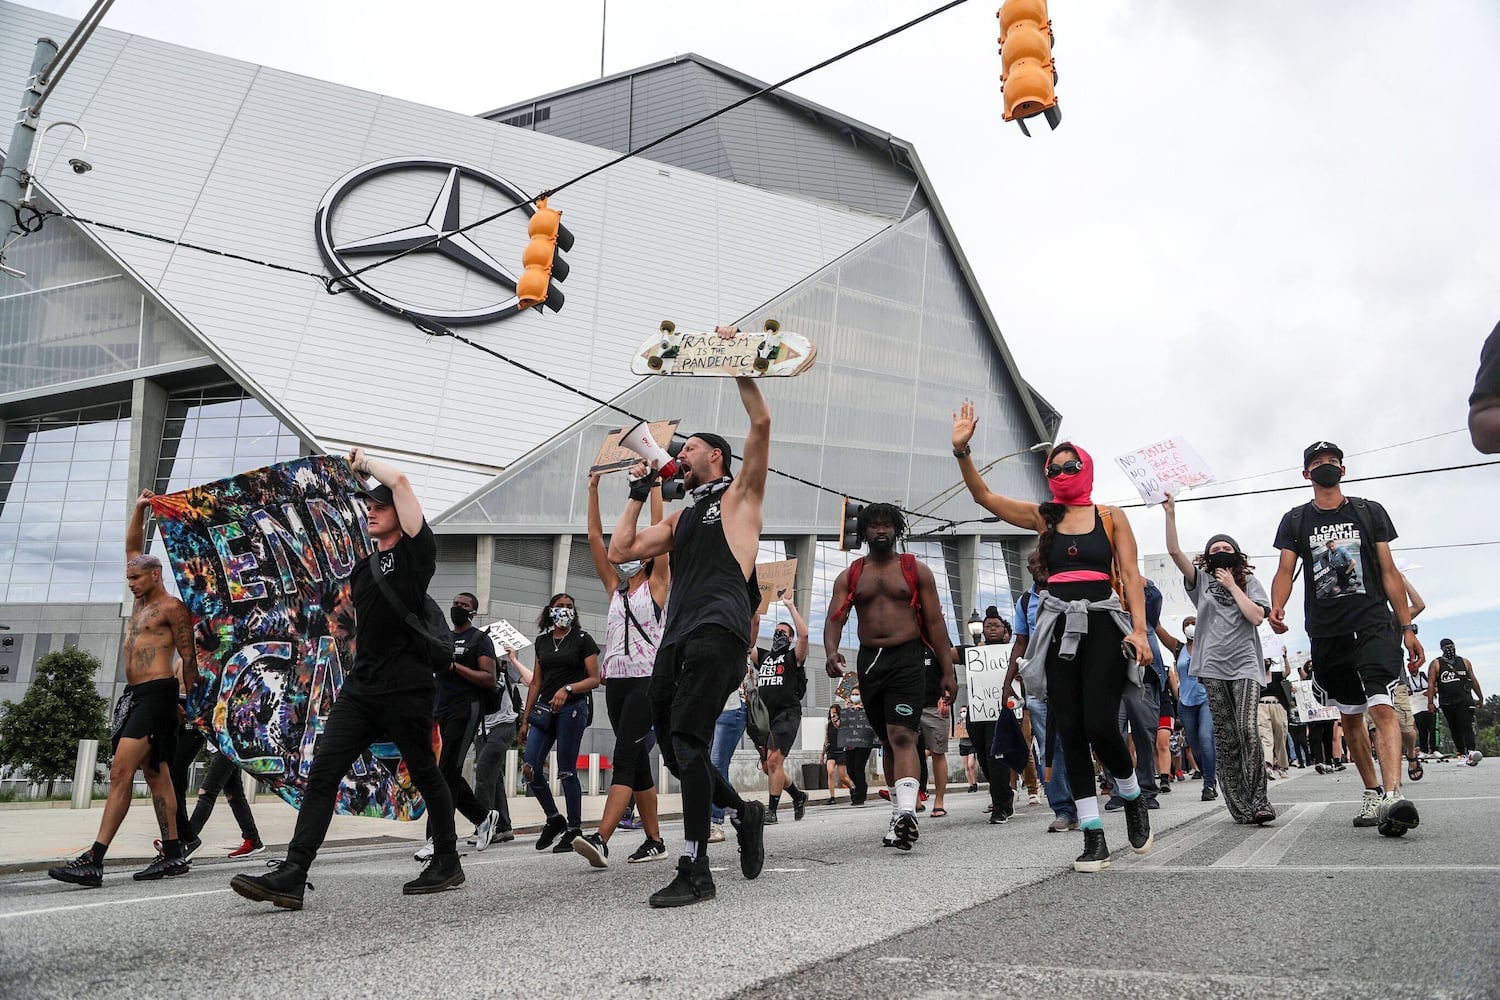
pixel 148 711
pixel 785 724
pixel 1358 670
pixel 965 748
pixel 893 685
pixel 690 683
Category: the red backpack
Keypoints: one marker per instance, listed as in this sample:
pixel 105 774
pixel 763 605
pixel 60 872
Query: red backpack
pixel 909 571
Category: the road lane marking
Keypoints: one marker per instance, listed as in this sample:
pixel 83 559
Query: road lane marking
pixel 1261 870
pixel 109 902
pixel 1176 847
pixel 1254 852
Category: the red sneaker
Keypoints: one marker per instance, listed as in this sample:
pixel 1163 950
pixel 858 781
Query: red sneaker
pixel 246 849
pixel 885 793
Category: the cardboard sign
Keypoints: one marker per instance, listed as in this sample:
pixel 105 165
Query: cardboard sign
pixel 1306 707
pixel 777 580
pixel 503 634
pixel 985 671
pixel 1162 571
pixel 613 458
pixel 1166 467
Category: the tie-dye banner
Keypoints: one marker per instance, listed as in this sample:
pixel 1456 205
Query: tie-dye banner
pixel 263 562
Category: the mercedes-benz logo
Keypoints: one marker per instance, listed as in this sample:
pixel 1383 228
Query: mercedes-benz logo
pixel 443 222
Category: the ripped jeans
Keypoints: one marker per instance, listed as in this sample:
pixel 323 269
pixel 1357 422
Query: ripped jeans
pixel 566 732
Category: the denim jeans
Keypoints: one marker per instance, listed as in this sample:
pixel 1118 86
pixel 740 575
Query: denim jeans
pixel 1198 723
pixel 1059 794
pixel 728 732
pixel 567 734
pixel 1140 706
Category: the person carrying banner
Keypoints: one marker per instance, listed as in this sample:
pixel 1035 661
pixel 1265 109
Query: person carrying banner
pixel 1355 657
pixel 1088 644
pixel 1225 654
pixel 900 626
pixel 706 634
pixel 632 630
pixel 388 694
pixel 143 733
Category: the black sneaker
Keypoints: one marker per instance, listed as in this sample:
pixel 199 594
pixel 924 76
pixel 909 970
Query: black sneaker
pixel 750 825
pixel 905 830
pixel 651 850
pixel 554 828
pixel 799 805
pixel 284 886
pixel 771 815
pixel 565 845
pixel 1210 793
pixel 163 867
pixel 1164 783
pixel 693 884
pixel 1095 856
pixel 1397 815
pixel 82 870
pixel 1138 824
pixel 442 872
pixel 594 850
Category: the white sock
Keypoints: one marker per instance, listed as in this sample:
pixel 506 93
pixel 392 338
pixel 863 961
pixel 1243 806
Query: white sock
pixel 905 795
pixel 1128 787
pixel 690 850
pixel 1088 813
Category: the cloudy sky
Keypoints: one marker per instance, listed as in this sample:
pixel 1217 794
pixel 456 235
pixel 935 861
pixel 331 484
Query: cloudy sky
pixel 1259 225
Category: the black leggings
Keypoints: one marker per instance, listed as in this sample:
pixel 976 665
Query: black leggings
pixel 1460 720
pixel 1426 731
pixel 629 707
pixel 1083 700
pixel 189 744
pixel 1320 737
pixel 458 727
pixel 856 760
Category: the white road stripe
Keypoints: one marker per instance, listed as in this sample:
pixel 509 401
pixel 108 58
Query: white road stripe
pixel 110 902
pixel 1387 869
pixel 1176 847
pixel 1254 852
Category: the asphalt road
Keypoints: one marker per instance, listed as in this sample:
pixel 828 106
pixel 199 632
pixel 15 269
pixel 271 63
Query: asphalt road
pixel 1309 907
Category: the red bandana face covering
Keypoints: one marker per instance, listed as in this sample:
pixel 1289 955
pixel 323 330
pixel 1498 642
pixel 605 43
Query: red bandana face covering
pixel 1073 489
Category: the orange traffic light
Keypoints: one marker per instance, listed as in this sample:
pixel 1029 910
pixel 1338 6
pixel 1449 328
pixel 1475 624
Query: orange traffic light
pixel 1026 62
pixel 544 264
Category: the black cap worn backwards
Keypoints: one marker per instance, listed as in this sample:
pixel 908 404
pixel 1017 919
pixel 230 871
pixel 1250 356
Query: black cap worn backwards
pixel 715 441
pixel 1317 448
pixel 379 493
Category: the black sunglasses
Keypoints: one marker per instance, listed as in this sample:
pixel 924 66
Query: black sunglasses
pixel 1069 468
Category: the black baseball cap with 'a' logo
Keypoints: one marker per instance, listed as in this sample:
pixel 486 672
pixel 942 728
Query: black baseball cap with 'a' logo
pixel 1317 448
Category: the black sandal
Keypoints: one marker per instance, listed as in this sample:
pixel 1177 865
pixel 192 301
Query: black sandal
pixel 1414 769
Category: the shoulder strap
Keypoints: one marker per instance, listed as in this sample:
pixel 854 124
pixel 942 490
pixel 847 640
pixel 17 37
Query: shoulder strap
pixel 855 569
pixel 909 571
pixel 1106 518
pixel 1026 604
pixel 412 620
pixel 630 618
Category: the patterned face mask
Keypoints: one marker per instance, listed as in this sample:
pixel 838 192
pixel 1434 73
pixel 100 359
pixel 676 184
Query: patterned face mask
pixel 562 617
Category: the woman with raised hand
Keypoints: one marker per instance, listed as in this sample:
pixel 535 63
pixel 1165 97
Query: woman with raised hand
pixel 1226 657
pixel 1087 644
pixel 557 713
pixel 637 595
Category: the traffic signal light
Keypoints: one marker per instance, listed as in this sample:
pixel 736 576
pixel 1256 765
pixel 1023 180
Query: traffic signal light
pixel 544 264
pixel 1026 62
pixel 849 536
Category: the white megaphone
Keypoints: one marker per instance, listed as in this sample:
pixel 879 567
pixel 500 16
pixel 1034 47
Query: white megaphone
pixel 639 440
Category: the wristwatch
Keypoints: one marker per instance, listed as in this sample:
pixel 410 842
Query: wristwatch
pixel 1410 627
pixel 568 688
pixel 967 451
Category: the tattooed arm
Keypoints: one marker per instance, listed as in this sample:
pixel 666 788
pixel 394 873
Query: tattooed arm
pixel 182 639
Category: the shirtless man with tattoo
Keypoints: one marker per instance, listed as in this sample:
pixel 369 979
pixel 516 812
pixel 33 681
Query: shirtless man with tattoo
pixel 143 732
pixel 901 632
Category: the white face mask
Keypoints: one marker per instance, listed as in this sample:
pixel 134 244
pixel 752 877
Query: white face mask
pixel 1188 630
pixel 628 569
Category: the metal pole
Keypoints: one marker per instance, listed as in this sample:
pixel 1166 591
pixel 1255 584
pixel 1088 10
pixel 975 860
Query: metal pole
pixel 83 774
pixel 23 135
pixel 50 75
pixel 603 23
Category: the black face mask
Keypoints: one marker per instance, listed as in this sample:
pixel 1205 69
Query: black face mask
pixel 460 616
pixel 1326 476
pixel 1222 560
pixel 780 644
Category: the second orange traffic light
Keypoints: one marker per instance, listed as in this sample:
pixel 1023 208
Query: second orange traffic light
pixel 1026 62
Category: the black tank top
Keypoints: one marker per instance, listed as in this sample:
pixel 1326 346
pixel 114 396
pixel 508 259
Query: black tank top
pixel 1453 682
pixel 708 587
pixel 1070 553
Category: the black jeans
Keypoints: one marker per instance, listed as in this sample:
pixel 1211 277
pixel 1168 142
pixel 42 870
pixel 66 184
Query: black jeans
pixel 224 777
pixel 458 728
pixel 689 685
pixel 358 719
pixel 189 744
pixel 999 777
pixel 489 778
pixel 1320 739
pixel 1426 731
pixel 857 761
pixel 1460 720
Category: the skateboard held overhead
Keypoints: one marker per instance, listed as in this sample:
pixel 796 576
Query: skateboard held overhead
pixel 767 353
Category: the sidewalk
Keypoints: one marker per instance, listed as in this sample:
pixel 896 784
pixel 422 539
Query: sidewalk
pixel 33 838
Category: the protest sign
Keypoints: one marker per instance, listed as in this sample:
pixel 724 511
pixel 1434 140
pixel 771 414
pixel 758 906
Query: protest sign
pixel 263 562
pixel 1166 467
pixel 985 671
pixel 777 580
pixel 613 457
pixel 503 634
pixel 1160 570
pixel 1307 706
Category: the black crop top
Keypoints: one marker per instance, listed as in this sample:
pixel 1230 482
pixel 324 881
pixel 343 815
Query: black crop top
pixel 1085 553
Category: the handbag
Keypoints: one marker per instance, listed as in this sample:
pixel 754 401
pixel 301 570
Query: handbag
pixel 541 718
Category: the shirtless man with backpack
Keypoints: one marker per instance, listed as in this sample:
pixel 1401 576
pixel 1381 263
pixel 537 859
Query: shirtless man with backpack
pixel 900 624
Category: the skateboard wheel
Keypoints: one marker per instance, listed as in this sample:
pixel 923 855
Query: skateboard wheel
pixel 654 364
pixel 667 326
pixel 762 364
pixel 772 326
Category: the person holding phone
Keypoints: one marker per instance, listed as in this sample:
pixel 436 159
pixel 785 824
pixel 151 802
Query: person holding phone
pixel 1088 643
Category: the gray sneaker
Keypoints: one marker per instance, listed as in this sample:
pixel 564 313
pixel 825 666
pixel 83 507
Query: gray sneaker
pixel 486 831
pixel 1369 806
pixel 1396 815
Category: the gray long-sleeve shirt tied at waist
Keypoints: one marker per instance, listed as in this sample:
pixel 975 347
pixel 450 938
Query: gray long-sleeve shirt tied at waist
pixel 1073 617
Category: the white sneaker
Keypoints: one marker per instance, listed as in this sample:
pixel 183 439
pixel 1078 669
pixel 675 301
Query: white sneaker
pixel 424 853
pixel 1369 806
pixel 486 831
pixel 1033 799
pixel 716 833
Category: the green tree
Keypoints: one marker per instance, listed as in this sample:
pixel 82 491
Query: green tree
pixel 1488 714
pixel 40 733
